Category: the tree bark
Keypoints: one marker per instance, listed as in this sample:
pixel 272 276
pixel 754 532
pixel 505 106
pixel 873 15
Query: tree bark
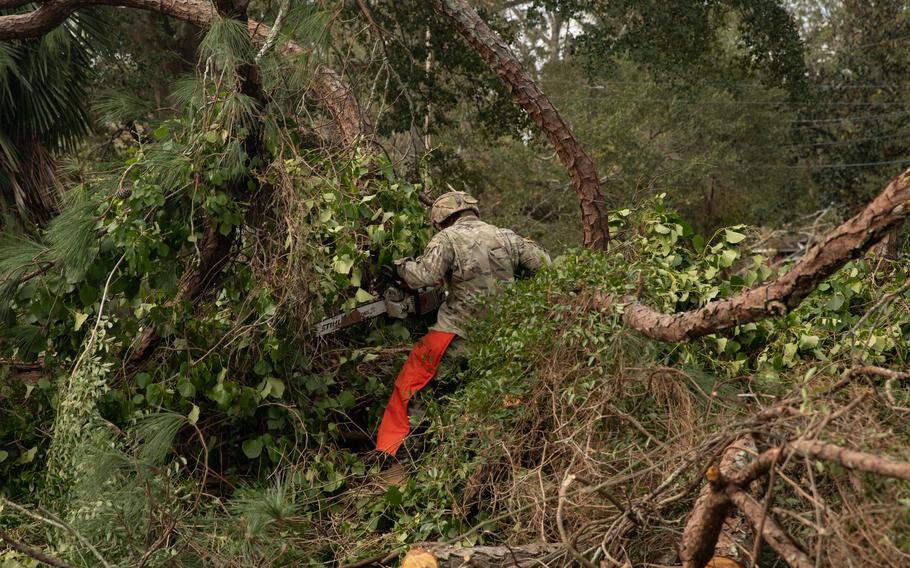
pixel 214 254
pixel 430 554
pixel 711 531
pixel 848 241
pixel 776 537
pixel 527 95
pixel 327 87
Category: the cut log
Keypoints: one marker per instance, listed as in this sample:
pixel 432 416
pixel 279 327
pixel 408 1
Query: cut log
pixel 438 555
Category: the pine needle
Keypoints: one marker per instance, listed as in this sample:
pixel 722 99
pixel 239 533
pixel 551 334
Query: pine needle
pixel 71 236
pixel 155 435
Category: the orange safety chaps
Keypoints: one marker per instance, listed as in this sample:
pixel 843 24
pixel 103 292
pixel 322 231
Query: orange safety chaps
pixel 417 371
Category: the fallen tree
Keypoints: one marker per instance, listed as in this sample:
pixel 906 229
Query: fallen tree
pixel 327 88
pixel 846 242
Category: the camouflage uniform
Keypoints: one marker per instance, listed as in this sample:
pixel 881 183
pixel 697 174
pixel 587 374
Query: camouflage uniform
pixel 473 258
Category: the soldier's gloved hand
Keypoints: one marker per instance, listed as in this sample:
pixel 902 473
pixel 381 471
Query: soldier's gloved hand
pixel 388 274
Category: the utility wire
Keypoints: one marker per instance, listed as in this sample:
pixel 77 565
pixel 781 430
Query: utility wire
pixel 600 84
pixel 717 102
pixel 817 166
pixel 848 142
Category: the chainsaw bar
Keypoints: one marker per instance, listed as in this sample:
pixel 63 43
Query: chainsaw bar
pixel 357 315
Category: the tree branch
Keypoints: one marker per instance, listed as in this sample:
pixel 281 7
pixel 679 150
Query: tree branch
pixel 502 60
pixel 31 552
pixel 848 241
pixel 12 4
pixel 776 537
pixel 327 87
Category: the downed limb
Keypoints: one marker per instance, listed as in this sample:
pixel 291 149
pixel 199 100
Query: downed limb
pixel 727 488
pixel 430 554
pixel 31 552
pixel 776 537
pixel 499 56
pixel 848 241
pixel 710 526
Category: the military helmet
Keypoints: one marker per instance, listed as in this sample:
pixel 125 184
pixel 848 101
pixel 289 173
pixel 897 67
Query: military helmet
pixel 451 203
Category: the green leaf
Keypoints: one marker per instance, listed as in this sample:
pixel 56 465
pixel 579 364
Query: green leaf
pixel 356 277
pixel 733 237
pixel 728 257
pixel 393 496
pixel 80 319
pixel 698 242
pixel 252 448
pixel 808 341
pixel 3 456
pixel 211 136
pixel 276 387
pixel 193 416
pixel 28 456
pixel 836 301
pixel 143 379
pixel 362 296
pixel 161 132
pixel 262 367
pixel 186 389
pixel 343 264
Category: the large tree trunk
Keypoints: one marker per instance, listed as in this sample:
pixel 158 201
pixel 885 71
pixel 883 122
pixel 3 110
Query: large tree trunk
pixel 848 241
pixel 528 96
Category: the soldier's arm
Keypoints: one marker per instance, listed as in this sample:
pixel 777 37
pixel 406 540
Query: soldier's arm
pixel 431 267
pixel 531 256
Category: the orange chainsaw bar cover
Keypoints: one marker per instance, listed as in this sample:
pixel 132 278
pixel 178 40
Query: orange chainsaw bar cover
pixel 414 375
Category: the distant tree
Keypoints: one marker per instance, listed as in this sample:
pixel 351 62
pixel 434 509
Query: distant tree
pixel 854 131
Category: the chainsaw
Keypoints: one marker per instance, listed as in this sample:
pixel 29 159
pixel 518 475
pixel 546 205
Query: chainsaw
pixel 398 301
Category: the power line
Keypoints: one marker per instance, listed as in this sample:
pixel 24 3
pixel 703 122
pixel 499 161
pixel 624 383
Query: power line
pixel 717 102
pixel 860 118
pixel 822 166
pixel 600 84
pixel 848 142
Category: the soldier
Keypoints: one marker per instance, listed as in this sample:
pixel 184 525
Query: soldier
pixel 473 258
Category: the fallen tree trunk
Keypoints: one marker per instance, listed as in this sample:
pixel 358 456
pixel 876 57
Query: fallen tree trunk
pixel 499 56
pixel 433 555
pixel 848 241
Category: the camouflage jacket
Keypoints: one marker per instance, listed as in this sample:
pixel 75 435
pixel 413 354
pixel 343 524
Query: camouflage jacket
pixel 473 258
